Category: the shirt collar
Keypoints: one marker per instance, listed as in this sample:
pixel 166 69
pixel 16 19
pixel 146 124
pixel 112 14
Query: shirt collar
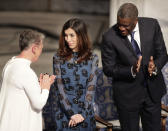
pixel 136 29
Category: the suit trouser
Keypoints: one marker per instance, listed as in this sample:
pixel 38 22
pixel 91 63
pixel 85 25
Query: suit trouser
pixel 149 112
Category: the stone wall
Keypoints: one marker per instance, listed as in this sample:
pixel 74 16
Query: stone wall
pixel 23 5
pixel 71 6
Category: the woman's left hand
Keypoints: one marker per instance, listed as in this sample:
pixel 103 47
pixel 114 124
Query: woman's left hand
pixel 75 119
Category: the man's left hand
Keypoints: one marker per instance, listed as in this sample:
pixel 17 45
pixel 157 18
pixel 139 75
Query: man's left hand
pixel 151 66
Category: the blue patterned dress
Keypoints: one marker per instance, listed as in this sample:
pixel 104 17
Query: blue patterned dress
pixel 72 93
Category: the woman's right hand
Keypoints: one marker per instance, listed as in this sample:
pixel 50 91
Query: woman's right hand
pixel 75 119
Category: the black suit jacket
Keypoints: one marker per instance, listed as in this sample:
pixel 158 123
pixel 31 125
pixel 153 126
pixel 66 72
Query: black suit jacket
pixel 118 57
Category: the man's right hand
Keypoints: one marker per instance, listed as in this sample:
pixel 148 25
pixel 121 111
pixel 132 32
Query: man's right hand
pixel 137 65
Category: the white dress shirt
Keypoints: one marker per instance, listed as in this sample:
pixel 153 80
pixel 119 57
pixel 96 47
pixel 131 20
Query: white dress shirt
pixel 136 35
pixel 137 38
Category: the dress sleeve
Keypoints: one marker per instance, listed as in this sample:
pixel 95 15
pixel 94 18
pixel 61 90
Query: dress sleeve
pixel 90 87
pixel 59 85
pixel 91 83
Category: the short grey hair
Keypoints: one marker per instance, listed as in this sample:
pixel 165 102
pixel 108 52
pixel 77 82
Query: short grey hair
pixel 127 10
pixel 27 37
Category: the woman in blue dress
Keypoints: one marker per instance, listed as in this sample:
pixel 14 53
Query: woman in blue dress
pixel 70 103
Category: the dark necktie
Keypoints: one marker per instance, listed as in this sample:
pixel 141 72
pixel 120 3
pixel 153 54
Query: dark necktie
pixel 135 45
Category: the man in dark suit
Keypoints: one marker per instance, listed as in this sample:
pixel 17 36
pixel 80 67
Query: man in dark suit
pixel 133 54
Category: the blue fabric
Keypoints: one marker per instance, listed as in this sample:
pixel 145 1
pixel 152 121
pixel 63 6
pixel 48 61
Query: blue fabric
pixel 165 97
pixel 105 105
pixel 135 45
pixel 72 93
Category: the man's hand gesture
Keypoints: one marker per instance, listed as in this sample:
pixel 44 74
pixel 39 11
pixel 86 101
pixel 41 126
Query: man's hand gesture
pixel 136 66
pixel 45 81
pixel 152 70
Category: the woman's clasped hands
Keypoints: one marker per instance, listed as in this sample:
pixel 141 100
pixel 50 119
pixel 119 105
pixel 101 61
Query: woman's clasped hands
pixel 75 119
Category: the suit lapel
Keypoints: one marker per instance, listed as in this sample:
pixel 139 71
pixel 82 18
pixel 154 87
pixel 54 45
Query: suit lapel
pixel 142 40
pixel 128 45
pixel 142 37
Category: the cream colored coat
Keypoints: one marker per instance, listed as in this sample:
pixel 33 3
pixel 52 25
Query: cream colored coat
pixel 21 98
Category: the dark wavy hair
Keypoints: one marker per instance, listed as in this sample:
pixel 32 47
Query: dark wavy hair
pixel 84 45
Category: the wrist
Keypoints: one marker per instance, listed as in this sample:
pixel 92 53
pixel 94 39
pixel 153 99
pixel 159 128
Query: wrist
pixel 154 71
pixel 132 72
